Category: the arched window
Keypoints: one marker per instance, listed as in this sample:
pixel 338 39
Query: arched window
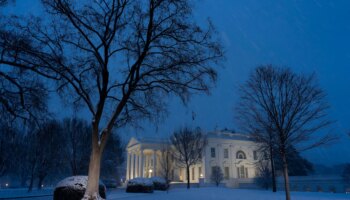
pixel 240 155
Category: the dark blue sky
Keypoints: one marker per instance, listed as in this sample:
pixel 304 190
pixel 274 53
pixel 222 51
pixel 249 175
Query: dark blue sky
pixel 308 36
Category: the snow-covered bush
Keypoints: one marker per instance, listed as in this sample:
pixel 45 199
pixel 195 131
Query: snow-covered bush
pixel 73 188
pixel 159 183
pixel 140 185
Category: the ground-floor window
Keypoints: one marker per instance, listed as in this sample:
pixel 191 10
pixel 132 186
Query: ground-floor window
pixel 212 170
pixel 242 172
pixel 226 172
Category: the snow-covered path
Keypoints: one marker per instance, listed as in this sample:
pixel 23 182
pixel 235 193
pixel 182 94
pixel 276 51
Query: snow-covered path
pixel 224 194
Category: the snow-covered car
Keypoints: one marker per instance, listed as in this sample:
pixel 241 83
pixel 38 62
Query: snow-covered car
pixel 137 185
pixel 73 188
pixel 159 183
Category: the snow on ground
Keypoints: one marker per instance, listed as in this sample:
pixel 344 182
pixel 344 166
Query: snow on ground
pixel 212 193
pixel 20 192
pixel 205 193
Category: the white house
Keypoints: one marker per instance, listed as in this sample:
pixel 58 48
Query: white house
pixel 235 153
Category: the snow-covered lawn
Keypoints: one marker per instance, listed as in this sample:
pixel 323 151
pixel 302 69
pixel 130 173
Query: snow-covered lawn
pixel 205 193
pixel 211 193
pixel 21 192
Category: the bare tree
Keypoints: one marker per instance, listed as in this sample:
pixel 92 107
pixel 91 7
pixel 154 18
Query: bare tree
pixel 290 106
pixel 217 176
pixel 78 144
pixel 346 173
pixel 50 145
pixel 189 145
pixel 7 136
pixel 22 94
pixel 113 158
pixel 118 57
pixel 264 173
pixel 167 162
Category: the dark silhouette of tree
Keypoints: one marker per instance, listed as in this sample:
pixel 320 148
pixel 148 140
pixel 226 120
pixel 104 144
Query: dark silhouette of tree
pixel 166 162
pixel 216 175
pixel 50 145
pixel 78 144
pixel 289 106
pixel 346 173
pixel 7 137
pixel 119 58
pixel 264 174
pixel 23 96
pixel 189 145
pixel 297 165
pixel 113 158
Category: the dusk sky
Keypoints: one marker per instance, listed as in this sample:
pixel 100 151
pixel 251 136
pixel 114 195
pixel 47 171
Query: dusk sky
pixel 308 36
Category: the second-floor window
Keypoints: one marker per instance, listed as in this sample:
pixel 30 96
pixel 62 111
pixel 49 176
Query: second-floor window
pixel 225 153
pixel 212 152
pixel 240 155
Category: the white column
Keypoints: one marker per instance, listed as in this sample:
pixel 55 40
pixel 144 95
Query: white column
pixel 128 166
pixel 154 163
pixel 142 164
pixel 137 165
pixel 204 160
pixel 132 166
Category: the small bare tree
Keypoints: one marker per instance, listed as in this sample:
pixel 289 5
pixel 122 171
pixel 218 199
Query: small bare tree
pixel 264 173
pixel 217 176
pixel 166 162
pixel 189 145
pixel 289 106
pixel 118 58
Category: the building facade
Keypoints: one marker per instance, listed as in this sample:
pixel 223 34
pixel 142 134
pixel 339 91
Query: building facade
pixel 236 154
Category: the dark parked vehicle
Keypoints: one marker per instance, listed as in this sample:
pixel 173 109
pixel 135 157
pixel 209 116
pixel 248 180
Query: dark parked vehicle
pixel 73 188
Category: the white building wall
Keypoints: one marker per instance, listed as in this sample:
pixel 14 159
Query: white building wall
pixel 148 155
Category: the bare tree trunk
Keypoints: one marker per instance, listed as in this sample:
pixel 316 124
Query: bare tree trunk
pixel 30 187
pixel 274 187
pixel 40 182
pixel 94 174
pixel 188 176
pixel 286 177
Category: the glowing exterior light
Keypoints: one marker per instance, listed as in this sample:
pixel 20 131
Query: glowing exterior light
pixel 6 184
pixel 150 170
pixel 201 175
